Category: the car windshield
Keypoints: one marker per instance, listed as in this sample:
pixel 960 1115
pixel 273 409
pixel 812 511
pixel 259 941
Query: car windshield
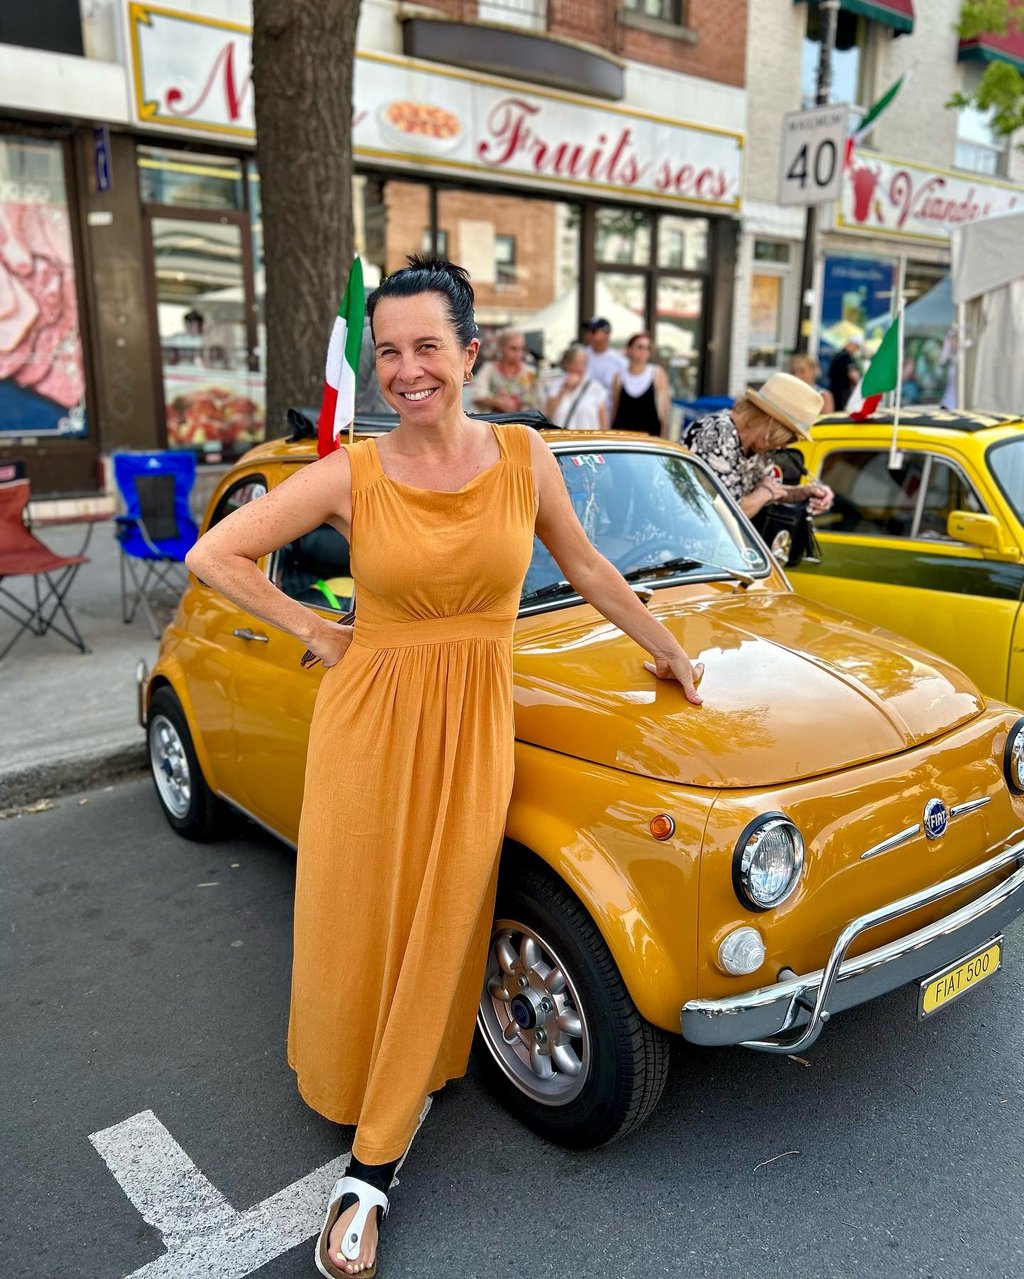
pixel 657 516
pixel 1007 464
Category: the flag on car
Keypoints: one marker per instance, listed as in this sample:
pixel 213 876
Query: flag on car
pixel 883 372
pixel 338 406
pixel 870 119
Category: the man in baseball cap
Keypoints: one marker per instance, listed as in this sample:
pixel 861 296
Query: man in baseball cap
pixel 602 362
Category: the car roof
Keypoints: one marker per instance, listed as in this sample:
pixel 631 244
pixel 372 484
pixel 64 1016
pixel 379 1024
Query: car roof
pixel 302 447
pixel 923 421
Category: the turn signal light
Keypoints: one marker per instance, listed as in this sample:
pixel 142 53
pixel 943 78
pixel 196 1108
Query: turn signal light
pixel 662 826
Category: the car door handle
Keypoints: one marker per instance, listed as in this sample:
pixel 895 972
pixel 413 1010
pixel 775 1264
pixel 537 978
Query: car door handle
pixel 247 633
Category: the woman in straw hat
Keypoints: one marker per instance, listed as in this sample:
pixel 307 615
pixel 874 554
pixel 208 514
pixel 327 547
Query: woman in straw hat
pixel 734 442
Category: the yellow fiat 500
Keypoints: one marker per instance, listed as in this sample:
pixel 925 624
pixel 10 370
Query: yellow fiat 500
pixel 933 547
pixel 841 817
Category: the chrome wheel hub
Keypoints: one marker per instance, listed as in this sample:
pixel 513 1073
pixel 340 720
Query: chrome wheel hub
pixel 531 1017
pixel 169 763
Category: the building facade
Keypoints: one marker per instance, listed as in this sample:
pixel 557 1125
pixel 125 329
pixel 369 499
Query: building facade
pixel 923 168
pixel 580 157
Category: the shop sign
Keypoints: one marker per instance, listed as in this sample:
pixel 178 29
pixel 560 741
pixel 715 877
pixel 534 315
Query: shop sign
pixel 889 197
pixel 192 73
pixel 448 120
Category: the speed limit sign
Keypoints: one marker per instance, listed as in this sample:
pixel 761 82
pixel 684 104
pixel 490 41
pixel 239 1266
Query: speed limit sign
pixel 813 143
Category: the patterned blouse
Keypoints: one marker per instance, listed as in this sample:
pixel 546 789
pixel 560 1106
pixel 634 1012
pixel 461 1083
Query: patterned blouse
pixel 717 442
pixel 522 386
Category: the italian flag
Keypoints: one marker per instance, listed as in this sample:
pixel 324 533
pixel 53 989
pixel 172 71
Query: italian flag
pixel 338 406
pixel 883 372
pixel 871 118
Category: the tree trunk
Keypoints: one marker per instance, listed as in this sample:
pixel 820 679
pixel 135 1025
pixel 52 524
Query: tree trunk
pixel 302 60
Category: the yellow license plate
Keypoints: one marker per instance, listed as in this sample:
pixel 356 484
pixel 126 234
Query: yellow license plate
pixel 959 978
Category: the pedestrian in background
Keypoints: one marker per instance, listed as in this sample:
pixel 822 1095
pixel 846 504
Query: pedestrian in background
pixel 603 364
pixel 640 393
pixel 807 369
pixel 399 846
pixel 577 401
pixel 508 384
pixel 844 372
pixel 733 442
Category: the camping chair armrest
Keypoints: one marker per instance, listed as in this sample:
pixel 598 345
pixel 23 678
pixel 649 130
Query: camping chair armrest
pixel 127 523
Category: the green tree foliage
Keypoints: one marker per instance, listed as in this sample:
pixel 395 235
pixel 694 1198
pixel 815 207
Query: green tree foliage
pixel 1001 89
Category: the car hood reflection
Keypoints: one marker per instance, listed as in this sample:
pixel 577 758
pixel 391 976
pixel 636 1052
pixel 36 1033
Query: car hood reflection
pixel 792 690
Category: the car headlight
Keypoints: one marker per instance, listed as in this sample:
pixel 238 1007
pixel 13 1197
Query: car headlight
pixel 1013 758
pixel 768 861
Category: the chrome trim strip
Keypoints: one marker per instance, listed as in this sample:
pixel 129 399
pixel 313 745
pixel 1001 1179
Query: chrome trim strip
pixel 894 841
pixel 141 684
pixel 244 812
pixel 790 1015
pixel 971 806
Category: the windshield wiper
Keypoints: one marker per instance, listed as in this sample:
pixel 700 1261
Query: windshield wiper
pixel 681 563
pixel 546 592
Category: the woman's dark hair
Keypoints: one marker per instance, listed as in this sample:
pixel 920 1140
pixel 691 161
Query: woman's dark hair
pixel 637 337
pixel 431 275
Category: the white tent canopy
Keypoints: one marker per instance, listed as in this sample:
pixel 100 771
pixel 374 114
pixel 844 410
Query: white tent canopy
pixel 988 290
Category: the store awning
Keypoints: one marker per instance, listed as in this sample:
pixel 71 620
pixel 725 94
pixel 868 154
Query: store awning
pixel 992 48
pixel 898 14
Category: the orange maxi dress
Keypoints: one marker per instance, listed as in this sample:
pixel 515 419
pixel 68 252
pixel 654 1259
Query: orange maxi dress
pixel 408 779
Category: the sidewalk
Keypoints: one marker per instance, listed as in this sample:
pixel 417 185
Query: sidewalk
pixel 67 719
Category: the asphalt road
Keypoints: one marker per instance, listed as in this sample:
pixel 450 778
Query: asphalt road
pixel 142 974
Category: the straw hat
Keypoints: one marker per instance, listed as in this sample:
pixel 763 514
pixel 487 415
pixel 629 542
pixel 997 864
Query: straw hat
pixel 788 400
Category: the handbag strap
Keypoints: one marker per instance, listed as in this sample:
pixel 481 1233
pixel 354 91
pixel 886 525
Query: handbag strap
pixel 572 408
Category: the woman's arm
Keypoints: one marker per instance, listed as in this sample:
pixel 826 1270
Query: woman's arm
pixel 226 556
pixel 767 491
pixel 597 581
pixel 662 399
pixel 602 416
pixel 616 393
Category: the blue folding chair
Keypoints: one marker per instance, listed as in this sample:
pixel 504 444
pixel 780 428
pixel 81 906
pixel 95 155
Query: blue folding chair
pixel 157 530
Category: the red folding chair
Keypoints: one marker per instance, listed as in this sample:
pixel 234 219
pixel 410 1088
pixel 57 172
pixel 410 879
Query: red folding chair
pixel 23 555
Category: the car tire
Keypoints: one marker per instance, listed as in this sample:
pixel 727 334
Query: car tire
pixel 192 809
pixel 541 929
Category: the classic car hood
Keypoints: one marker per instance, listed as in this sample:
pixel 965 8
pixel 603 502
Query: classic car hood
pixel 791 690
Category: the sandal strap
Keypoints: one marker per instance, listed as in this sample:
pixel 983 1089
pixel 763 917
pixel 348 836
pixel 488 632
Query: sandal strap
pixel 369 1198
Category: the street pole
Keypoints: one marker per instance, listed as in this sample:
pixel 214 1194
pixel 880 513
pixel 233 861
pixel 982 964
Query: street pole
pixel 828 16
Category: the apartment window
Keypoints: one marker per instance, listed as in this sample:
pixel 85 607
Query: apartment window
pixel 505 259
pixel 662 10
pixel 978 148
pixel 848 59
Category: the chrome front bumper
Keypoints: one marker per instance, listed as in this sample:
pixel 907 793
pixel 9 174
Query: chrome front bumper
pixel 141 680
pixel 789 1016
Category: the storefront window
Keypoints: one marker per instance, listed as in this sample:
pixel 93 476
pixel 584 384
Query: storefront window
pixel 765 340
pixel 678 333
pixel 188 178
pixel 213 391
pixel 683 243
pixel 624 236
pixel 523 258
pixel 858 298
pixel 42 378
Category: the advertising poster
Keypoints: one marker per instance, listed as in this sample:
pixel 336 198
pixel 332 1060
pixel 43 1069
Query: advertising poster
pixel 42 382
pixel 856 302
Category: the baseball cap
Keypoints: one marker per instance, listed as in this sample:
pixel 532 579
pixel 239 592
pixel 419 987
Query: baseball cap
pixel 598 322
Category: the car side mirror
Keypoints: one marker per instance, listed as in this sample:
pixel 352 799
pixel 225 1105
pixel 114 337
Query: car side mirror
pixel 983 531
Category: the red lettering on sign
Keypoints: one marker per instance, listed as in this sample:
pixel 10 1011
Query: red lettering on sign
pixel 234 91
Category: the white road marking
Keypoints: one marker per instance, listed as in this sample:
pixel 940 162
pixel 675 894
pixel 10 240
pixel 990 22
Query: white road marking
pixel 204 1235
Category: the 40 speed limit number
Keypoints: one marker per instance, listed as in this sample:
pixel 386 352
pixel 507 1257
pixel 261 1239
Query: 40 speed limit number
pixel 812 149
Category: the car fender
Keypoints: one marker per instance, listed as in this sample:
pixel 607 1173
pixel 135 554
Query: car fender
pixel 169 672
pixel 589 825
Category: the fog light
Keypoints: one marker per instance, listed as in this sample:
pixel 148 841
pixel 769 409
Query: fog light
pixel 741 952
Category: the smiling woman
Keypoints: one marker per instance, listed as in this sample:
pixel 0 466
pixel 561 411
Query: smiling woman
pixel 401 846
